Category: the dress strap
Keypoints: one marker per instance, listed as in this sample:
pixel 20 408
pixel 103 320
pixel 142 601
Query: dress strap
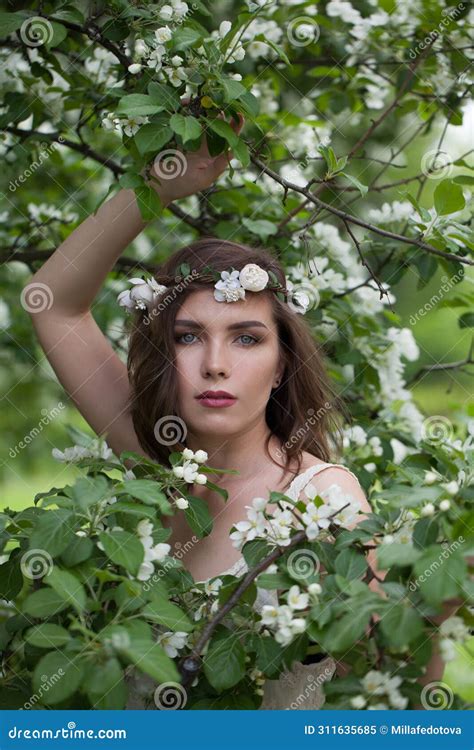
pixel 300 481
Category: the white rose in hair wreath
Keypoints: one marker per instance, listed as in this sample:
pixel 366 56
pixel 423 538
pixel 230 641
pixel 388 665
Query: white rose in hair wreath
pixel 253 278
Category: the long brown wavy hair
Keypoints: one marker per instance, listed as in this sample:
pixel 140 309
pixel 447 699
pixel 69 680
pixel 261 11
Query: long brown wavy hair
pixel 303 412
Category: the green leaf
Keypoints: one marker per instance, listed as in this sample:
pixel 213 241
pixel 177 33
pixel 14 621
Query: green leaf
pixel 261 227
pixel 80 549
pixel 167 613
pixel 350 564
pixel 165 96
pixel 148 202
pixel 396 554
pixel 148 492
pixel 11 578
pixel 232 89
pixel 134 509
pixel 147 655
pixel 53 532
pixel 185 37
pixel 152 137
pixel 250 104
pixel 198 516
pixel 448 197
pixel 10 22
pixel 68 587
pixel 43 603
pixel 88 491
pixel 401 624
pixel 47 635
pixel 124 549
pixel 242 153
pixel 439 576
pixel 135 105
pixel 189 128
pixel 105 686
pixel 130 179
pixel 466 320
pixel 425 532
pixel 359 185
pixel 61 673
pixel 224 662
pixel 464 179
pixel 345 632
pixel 224 130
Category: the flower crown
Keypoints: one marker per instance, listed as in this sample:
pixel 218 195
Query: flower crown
pixel 230 286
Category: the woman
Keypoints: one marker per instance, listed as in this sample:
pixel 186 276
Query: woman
pixel 256 349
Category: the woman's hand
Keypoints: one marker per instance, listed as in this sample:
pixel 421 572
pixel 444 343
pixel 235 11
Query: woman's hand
pixel 183 173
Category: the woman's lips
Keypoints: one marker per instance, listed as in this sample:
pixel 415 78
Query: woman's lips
pixel 211 402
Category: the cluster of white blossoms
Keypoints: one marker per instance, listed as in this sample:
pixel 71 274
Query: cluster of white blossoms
pixel 152 551
pixel 338 507
pixel 210 588
pixel 41 212
pixel 390 212
pixel 283 619
pixel 143 294
pixel 97 449
pixel 380 684
pixel 452 631
pixel 189 470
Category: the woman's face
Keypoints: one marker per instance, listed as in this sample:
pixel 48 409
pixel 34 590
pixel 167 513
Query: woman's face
pixel 227 346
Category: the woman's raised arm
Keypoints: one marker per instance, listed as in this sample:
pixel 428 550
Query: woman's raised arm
pixel 82 357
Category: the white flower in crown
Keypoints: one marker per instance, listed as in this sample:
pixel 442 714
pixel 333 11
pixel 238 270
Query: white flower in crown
pixel 253 278
pixel 143 293
pixel 229 289
pixel 232 284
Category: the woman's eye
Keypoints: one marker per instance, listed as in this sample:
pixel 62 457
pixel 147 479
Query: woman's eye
pixel 253 340
pixel 181 336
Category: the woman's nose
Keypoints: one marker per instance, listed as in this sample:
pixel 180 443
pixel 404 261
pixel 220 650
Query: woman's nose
pixel 215 360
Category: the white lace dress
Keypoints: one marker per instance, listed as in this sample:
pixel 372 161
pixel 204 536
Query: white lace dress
pixel 295 689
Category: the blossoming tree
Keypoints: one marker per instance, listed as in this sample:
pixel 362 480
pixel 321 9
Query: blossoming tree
pixel 333 99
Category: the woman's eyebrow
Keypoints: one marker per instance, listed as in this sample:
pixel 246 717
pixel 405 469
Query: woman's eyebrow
pixel 232 327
